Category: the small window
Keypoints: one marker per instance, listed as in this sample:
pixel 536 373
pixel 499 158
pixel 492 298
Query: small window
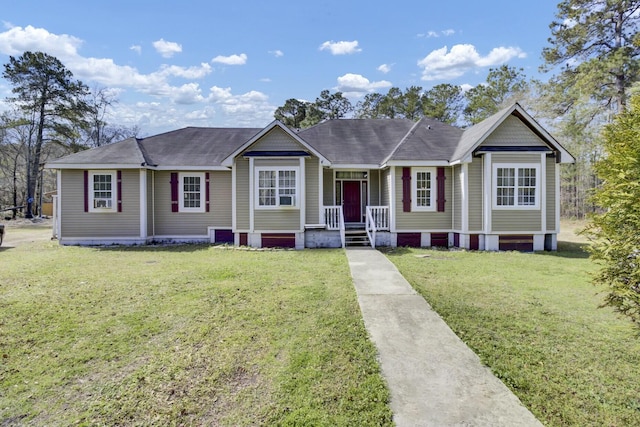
pixel 423 189
pixel 277 187
pixel 102 194
pixel 516 186
pixel 192 192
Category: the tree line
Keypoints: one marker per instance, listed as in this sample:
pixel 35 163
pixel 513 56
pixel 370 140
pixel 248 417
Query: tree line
pixel 593 68
pixel 50 114
pixel 445 102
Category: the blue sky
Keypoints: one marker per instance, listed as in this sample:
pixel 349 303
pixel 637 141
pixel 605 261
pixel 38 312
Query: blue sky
pixel 173 64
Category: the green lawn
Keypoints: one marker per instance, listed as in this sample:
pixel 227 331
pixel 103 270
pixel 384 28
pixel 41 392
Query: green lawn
pixel 534 320
pixel 183 335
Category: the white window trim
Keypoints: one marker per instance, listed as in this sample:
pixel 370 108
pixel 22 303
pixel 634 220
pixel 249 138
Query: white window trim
pixel 203 187
pixel 414 190
pixel 114 192
pixel 516 166
pixel 277 170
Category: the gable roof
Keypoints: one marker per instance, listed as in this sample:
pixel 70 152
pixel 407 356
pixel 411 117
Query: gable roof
pixel 228 159
pixel 477 134
pixel 365 143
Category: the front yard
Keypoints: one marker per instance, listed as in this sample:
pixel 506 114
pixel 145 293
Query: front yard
pixel 196 335
pixel 183 335
pixel 533 319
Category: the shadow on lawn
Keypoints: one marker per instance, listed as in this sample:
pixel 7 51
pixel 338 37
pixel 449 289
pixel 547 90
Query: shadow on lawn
pixel 571 250
pixel 181 247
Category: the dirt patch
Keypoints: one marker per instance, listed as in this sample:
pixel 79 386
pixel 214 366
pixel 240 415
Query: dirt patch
pixel 21 231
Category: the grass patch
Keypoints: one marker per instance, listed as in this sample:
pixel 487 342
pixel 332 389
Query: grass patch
pixel 183 335
pixel 534 320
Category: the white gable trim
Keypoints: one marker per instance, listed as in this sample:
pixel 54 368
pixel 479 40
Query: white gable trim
pixel 228 161
pixel 565 156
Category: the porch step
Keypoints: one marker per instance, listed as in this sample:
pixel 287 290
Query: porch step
pixel 356 237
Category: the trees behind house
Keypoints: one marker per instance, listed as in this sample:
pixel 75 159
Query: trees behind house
pixel 301 114
pixel 52 112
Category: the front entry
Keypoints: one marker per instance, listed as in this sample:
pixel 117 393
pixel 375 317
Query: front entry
pixel 351 201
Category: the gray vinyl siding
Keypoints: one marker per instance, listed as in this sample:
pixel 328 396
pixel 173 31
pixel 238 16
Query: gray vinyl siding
pixel 327 187
pixel 312 191
pixel 374 187
pixel 242 193
pixel 506 220
pixel 515 158
pixel 170 223
pixel 385 183
pixel 276 140
pixel 457 198
pixel 516 220
pixel 220 199
pixel 423 220
pixel 510 131
pixel 150 213
pixel 285 219
pixel 475 195
pixel 276 163
pixel 551 193
pixel 75 222
pixel 277 219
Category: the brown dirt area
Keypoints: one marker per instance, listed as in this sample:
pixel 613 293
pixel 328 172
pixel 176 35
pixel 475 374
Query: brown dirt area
pixel 21 231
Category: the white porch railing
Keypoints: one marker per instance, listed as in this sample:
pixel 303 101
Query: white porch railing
pixel 334 220
pixel 377 219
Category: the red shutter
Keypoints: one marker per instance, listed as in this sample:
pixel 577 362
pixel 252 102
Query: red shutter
pixel 174 192
pixel 86 191
pixel 440 197
pixel 206 191
pixel 119 175
pixel 406 189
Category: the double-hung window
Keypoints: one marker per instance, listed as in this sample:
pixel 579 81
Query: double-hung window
pixel 276 187
pixel 423 189
pixel 516 186
pixel 102 193
pixel 191 192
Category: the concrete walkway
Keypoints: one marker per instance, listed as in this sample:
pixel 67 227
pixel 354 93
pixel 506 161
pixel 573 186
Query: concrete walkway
pixel 434 378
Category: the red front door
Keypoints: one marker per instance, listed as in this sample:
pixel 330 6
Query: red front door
pixel 351 202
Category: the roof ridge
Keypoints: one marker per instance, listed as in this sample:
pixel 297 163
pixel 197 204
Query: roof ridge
pixel 402 141
pixel 144 153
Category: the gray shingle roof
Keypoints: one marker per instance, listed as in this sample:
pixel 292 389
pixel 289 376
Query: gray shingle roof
pixel 124 152
pixel 342 142
pixel 194 146
pixel 356 141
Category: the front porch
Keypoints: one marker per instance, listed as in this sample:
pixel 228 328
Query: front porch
pixel 355 233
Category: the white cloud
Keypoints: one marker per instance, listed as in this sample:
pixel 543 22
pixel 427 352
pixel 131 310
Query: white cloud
pixel 148 100
pixel 136 48
pixel 277 53
pixel 341 48
pixel 465 87
pixel 384 68
pixel 247 108
pixel 231 60
pixel 435 34
pixel 167 49
pixel 17 40
pixel 356 85
pixel 443 64
pixel 197 72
